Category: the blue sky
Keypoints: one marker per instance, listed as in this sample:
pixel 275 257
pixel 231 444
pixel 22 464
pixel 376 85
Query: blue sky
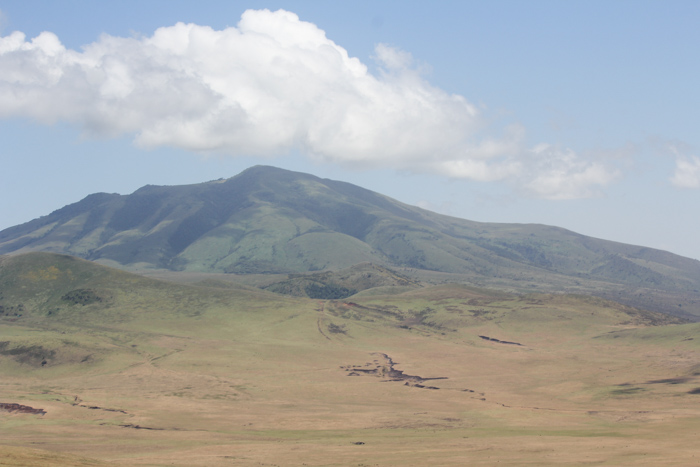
pixel 579 114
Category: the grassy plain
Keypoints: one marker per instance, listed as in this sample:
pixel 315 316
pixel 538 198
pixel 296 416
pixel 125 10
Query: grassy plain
pixel 133 371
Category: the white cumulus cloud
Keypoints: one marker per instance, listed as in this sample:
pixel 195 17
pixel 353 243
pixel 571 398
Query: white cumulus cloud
pixel 271 84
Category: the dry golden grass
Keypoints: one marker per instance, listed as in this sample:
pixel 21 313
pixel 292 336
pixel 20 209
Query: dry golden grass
pixel 261 382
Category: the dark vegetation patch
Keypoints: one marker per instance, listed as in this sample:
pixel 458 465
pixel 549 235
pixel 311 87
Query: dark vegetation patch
pixel 82 297
pixel 481 313
pixel 491 339
pixel 419 318
pixel 627 391
pixel 336 285
pixel 337 329
pixel 355 311
pixel 139 427
pixel 634 388
pixel 328 291
pixel 251 266
pixel 312 288
pixel 95 407
pixel 28 354
pixel 670 381
pixel 404 319
pixel 14 311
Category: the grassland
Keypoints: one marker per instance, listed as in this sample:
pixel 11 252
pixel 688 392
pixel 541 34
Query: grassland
pixel 139 372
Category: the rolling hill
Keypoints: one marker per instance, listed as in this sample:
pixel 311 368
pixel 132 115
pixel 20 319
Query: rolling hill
pixel 273 221
pixel 104 367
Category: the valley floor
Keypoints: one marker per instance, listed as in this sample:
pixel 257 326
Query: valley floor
pixel 449 377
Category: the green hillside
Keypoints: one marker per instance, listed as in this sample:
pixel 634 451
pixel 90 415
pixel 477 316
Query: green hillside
pixel 114 368
pixel 272 221
pixel 343 283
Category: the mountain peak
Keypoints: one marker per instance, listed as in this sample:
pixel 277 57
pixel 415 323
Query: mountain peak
pixel 271 220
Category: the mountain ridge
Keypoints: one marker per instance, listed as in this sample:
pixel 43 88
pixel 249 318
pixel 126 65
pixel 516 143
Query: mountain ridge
pixel 274 221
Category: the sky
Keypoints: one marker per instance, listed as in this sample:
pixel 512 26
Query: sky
pixel 578 114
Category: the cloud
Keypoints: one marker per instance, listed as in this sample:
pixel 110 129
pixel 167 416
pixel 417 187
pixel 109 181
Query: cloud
pixel 687 170
pixel 687 173
pixel 269 85
pixel 555 173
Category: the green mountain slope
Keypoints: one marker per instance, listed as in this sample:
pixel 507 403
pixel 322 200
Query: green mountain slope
pixel 343 283
pixel 268 220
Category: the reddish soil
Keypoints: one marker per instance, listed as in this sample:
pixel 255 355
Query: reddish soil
pixel 21 409
pixel 389 373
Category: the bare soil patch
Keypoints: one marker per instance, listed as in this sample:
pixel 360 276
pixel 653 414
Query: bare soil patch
pixel 384 369
pixel 18 408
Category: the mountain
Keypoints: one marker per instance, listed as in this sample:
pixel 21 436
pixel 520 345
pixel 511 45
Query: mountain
pixel 269 220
